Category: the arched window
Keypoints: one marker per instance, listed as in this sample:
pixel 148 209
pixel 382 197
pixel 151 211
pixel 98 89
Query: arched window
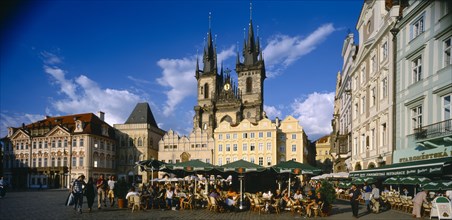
pixel 140 142
pixel 249 85
pixel 206 91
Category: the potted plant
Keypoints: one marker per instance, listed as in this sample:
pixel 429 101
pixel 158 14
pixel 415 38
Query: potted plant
pixel 328 193
pixel 121 190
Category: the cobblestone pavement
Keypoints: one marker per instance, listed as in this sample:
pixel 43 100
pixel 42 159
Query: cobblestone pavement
pixel 49 204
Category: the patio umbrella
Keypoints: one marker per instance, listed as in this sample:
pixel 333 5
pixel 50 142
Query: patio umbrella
pixel 150 165
pixel 438 185
pixel 241 167
pixel 345 184
pixel 340 175
pixel 394 180
pixel 414 180
pixel 294 167
pixel 362 180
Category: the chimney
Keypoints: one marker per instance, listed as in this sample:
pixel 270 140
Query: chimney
pixel 101 115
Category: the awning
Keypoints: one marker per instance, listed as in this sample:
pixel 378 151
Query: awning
pixel 422 168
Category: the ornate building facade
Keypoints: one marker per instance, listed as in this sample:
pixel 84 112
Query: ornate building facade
pixel 138 139
pixel 424 82
pixel 53 152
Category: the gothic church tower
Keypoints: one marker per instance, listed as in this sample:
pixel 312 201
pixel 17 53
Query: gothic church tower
pixel 251 76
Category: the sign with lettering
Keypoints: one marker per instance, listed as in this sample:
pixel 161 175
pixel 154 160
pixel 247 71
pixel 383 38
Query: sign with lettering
pixel 409 155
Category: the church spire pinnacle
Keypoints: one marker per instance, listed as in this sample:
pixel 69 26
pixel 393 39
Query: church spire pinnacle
pixel 210 57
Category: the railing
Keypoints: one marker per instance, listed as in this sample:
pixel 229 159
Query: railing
pixel 439 129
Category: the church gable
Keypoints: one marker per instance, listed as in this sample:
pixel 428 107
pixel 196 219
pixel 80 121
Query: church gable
pixel 20 134
pixel 57 131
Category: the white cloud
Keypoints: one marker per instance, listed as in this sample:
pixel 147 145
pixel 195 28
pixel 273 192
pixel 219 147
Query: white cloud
pixel 51 58
pixel 179 76
pixel 8 119
pixel 282 50
pixel 272 112
pixel 315 113
pixel 82 95
pixel 138 81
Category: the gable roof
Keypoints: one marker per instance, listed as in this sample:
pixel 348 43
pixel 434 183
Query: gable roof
pixel 142 114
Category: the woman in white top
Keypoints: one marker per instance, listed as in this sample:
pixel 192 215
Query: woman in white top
pixel 169 197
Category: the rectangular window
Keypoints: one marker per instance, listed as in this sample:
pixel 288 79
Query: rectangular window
pixel 416 117
pixel 384 51
pixel 65 143
pixel 244 135
pixel 34 162
pixel 363 143
pixel 245 147
pixel 80 161
pixel 220 161
pixel 74 162
pixel 96 163
pixel 234 147
pixel 261 134
pixel 417 27
pixel 234 159
pixel 34 145
pixel 53 144
pixel 234 136
pixel 74 142
pixel 228 160
pixel 282 148
pixel 220 147
pixel 373 96
pixel 261 161
pixel 252 135
pixel 416 69
pixel 220 137
pixel 252 146
pixel 294 136
pixel 372 138
pixel 447 106
pixel 355 146
pixel 269 134
pixel 269 146
pixel 363 104
pixel 21 146
pixel 45 144
pixel 228 136
pixel 269 161
pixel 65 161
pixel 53 162
pixel 363 75
pixel 261 146
pixel 40 145
pixel 207 160
pixel 384 87
pixel 447 50
pixel 294 148
pixel 383 134
pixel 244 158
pixel 252 159
pixel 228 147
pixel 81 142
pixel 60 143
pixel 373 63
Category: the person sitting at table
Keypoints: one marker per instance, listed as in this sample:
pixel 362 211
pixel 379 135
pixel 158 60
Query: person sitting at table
pixel 298 196
pixel 314 203
pixel 131 192
pixel 310 195
pixel 285 201
pixel 267 195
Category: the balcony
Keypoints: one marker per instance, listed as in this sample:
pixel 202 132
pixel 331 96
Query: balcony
pixel 437 130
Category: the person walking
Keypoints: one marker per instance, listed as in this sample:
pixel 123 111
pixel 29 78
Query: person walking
pixel 355 196
pixel 367 192
pixel 417 203
pixel 77 190
pixel 101 185
pixel 111 192
pixel 2 187
pixel 90 193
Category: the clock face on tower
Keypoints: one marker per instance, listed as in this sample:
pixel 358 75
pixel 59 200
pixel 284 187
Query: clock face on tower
pixel 227 86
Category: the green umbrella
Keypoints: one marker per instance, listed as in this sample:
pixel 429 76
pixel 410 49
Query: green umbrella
pixel 414 180
pixel 345 184
pixel 191 166
pixel 438 185
pixel 241 166
pixel 295 167
pixel 362 180
pixel 395 180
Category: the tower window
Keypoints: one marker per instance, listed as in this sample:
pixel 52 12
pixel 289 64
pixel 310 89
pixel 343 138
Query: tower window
pixel 206 91
pixel 249 85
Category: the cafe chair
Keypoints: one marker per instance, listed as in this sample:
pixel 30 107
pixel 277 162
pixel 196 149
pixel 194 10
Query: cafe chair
pixel 135 202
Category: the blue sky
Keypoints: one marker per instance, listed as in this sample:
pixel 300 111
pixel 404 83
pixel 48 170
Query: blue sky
pixel 67 57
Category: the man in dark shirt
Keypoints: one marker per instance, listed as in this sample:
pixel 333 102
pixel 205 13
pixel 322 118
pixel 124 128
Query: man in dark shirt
pixel 355 196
